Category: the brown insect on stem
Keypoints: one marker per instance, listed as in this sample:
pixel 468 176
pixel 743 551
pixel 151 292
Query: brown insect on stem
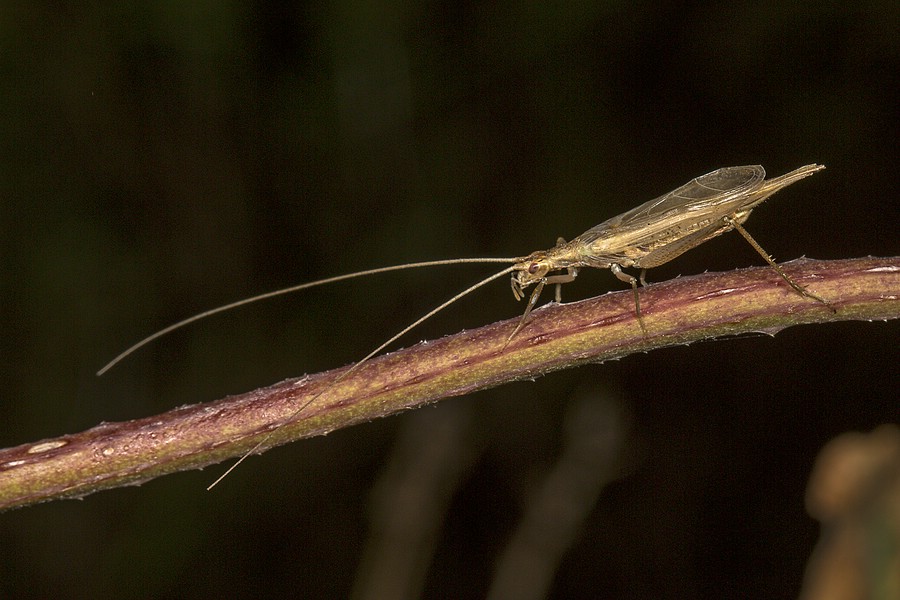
pixel 657 231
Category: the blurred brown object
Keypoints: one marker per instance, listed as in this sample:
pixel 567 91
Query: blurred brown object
pixel 854 491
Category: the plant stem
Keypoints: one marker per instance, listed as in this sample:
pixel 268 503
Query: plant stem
pixel 678 311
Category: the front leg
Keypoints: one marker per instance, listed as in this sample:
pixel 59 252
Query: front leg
pixel 557 280
pixel 532 300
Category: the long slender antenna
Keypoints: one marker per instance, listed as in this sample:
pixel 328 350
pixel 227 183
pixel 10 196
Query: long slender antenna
pixel 357 365
pixel 294 288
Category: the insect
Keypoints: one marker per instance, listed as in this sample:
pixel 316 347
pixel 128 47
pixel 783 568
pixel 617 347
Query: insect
pixel 644 237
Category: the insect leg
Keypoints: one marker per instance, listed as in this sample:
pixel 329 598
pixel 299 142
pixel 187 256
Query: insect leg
pixel 573 272
pixel 623 276
pixel 532 300
pixel 799 289
pixel 561 279
pixel 556 280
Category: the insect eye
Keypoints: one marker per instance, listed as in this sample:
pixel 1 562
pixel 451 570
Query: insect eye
pixel 533 268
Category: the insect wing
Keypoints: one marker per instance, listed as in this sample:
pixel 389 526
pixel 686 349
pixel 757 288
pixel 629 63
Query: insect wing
pixel 675 214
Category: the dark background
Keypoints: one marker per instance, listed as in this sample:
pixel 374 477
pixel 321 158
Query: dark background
pixel 158 160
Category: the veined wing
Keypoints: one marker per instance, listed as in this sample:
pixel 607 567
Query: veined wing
pixel 676 214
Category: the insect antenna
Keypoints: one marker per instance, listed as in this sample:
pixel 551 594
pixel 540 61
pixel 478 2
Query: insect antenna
pixel 288 290
pixel 361 362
